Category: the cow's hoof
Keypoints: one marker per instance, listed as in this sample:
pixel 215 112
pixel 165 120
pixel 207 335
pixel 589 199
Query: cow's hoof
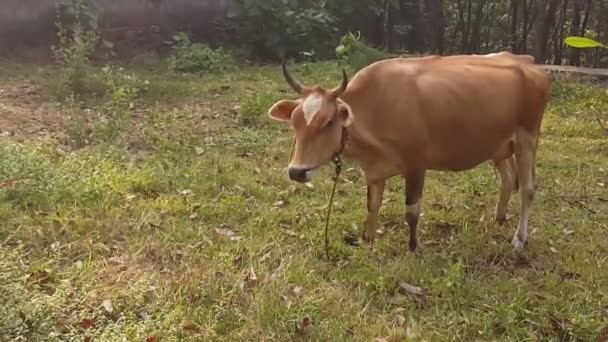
pixel 367 239
pixel 500 221
pixel 517 243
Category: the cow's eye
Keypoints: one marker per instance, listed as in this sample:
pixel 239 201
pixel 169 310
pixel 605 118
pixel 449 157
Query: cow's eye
pixel 329 123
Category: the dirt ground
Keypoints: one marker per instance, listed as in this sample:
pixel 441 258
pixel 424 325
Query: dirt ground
pixel 25 116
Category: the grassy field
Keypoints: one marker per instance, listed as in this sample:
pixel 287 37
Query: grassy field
pixel 169 217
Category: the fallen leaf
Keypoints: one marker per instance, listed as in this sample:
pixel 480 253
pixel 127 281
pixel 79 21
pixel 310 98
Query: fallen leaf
pixel 291 233
pixel 190 327
pixel 279 204
pixel 309 185
pixel 399 320
pixel 265 257
pixel 116 261
pixel 199 150
pixel 8 182
pixel 224 232
pixel 297 290
pixel 411 289
pixel 303 327
pixel 553 250
pixel 87 323
pixel 397 299
pixel 251 279
pixel 152 338
pixel 107 304
pixel 39 277
pixel 351 239
pixel 193 216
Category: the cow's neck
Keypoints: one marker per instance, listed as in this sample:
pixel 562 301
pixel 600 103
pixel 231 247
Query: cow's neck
pixel 362 147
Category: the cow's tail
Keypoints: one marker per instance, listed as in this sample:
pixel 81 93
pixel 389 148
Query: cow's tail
pixel 513 167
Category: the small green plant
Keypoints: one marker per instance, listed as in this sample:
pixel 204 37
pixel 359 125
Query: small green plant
pixel 122 90
pixel 356 53
pixel 73 51
pixel 112 119
pixel 253 107
pixel 195 58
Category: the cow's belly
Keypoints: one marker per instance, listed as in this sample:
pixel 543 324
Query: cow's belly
pixel 465 154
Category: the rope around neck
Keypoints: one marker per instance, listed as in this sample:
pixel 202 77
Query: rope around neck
pixel 337 160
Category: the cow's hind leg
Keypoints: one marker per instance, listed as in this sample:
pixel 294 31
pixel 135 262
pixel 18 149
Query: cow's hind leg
pixel 507 176
pixel 374 201
pixel 526 155
pixel 414 184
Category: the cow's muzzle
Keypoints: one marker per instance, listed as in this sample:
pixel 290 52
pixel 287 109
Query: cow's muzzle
pixel 301 175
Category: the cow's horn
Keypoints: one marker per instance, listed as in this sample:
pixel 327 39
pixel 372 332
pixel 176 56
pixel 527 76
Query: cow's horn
pixel 295 85
pixel 342 87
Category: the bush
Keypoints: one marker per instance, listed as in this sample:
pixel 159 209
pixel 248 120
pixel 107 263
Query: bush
pixel 73 53
pixel 254 107
pixel 112 119
pixel 197 57
pixel 275 29
pixel 357 54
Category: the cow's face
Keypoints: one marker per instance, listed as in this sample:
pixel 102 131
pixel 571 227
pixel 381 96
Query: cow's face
pixel 318 118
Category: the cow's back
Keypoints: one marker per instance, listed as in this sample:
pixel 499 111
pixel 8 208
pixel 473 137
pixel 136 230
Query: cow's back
pixel 447 114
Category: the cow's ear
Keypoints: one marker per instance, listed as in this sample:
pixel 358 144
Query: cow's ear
pixel 281 111
pixel 345 113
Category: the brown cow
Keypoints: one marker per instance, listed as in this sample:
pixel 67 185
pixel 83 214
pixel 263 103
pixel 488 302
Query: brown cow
pixel 404 116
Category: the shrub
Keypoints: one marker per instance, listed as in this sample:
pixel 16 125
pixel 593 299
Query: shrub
pixel 113 118
pixel 73 52
pixel 274 29
pixel 194 58
pixel 254 107
pixel 357 54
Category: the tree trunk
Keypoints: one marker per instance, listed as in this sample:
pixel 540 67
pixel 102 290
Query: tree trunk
pixel 459 28
pixel 489 25
pixel 475 42
pixel 574 29
pixel 467 27
pixel 514 18
pixel 436 25
pixel 386 25
pixel 559 35
pixel 544 24
pixel 411 12
pixel 602 31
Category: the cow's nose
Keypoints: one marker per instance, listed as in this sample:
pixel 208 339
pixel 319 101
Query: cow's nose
pixel 298 175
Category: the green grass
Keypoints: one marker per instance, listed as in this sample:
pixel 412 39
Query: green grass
pixel 168 223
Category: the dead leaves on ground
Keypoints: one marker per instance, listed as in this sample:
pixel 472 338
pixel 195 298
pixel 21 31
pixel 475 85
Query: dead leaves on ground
pixel 304 327
pixel 227 232
pixel 5 183
pixel 403 291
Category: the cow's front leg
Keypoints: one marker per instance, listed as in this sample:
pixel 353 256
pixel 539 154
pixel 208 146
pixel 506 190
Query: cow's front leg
pixel 374 201
pixel 414 184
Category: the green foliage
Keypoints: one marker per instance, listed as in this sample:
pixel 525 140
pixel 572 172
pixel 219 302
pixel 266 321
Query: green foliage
pixel 254 108
pixel 112 120
pixel 583 42
pixel 356 53
pixel 195 58
pixel 25 309
pixel 276 29
pixel 75 47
